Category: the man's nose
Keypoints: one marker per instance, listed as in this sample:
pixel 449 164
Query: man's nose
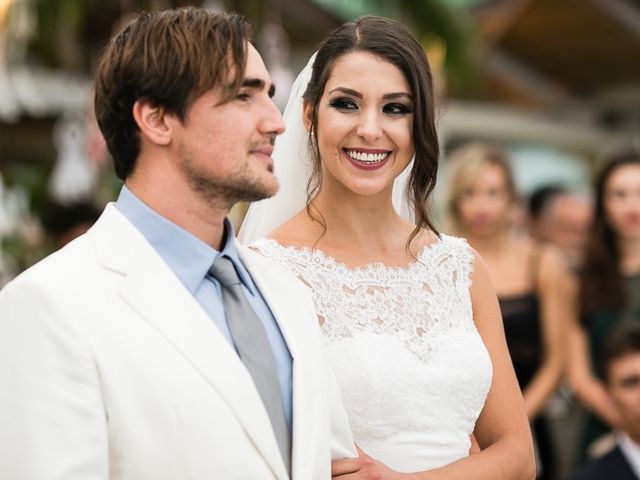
pixel 273 122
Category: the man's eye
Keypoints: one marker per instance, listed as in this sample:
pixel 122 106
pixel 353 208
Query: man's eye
pixel 242 96
pixel 343 104
pixel 631 382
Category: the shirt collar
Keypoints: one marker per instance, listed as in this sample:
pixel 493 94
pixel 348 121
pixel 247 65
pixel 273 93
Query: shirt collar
pixel 186 255
pixel 631 451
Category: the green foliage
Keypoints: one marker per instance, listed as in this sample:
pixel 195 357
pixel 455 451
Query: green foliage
pixel 441 21
pixel 355 8
pixel 454 27
pixel 55 18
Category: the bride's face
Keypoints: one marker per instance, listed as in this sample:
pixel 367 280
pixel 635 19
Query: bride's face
pixel 364 124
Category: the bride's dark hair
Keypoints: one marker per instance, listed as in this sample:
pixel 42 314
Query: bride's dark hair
pixel 393 42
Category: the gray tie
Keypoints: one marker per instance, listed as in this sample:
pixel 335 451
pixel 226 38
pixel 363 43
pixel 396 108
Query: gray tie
pixel 254 349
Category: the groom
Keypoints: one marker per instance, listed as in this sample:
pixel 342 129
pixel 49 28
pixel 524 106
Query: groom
pixel 155 346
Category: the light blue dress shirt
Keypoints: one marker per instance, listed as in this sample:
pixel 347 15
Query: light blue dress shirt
pixel 190 259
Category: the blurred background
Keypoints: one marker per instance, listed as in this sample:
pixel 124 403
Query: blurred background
pixel 555 82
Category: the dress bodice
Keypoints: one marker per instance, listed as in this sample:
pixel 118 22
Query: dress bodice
pixel 413 370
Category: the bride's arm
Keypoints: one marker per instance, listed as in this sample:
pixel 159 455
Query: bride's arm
pixel 502 429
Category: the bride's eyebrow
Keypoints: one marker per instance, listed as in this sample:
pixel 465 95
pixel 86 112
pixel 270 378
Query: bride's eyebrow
pixel 396 95
pixel 348 91
pixel 386 96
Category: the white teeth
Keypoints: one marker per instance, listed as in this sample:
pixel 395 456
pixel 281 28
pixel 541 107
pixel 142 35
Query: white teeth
pixel 367 157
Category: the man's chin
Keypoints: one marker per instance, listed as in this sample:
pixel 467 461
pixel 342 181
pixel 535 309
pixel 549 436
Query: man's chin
pixel 260 192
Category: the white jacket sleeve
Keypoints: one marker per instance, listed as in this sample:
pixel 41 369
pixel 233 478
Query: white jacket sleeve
pixel 52 419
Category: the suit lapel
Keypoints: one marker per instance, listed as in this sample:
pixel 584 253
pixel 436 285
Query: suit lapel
pixel 276 298
pixel 620 466
pixel 160 299
pixel 288 310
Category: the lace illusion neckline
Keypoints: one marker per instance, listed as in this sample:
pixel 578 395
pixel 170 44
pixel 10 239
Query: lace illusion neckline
pixel 321 256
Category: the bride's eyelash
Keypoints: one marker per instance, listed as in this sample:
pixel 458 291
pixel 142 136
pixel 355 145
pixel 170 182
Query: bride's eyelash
pixel 348 104
pixel 397 109
pixel 343 103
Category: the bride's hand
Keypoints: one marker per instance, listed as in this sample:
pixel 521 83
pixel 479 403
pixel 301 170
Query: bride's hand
pixel 363 468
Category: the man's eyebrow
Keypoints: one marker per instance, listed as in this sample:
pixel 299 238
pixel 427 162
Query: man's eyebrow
pixel 258 84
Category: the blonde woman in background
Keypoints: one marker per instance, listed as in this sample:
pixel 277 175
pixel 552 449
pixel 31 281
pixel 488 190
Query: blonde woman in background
pixel 532 281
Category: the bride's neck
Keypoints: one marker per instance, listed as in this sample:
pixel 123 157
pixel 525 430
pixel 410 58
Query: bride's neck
pixel 361 219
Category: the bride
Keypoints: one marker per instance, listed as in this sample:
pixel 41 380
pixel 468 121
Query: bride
pixel 410 319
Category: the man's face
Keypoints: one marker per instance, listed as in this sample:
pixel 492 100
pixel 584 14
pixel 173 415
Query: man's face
pixel 224 150
pixel 624 389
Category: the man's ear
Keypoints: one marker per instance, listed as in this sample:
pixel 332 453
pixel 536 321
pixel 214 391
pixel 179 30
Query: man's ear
pixel 307 115
pixel 153 121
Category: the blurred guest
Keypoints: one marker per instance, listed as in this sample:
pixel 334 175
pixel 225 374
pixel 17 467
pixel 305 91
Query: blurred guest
pixel 610 286
pixel 531 279
pixel 561 218
pixel 542 197
pixel 621 371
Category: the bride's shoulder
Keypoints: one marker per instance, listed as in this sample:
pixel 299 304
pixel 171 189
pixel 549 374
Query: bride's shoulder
pixel 298 232
pixel 290 236
pixel 443 252
pixel 427 239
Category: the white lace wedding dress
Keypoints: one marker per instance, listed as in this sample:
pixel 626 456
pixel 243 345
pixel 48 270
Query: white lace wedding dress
pixel 412 367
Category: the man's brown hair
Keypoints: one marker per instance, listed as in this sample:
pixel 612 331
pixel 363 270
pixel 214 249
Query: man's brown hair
pixel 170 58
pixel 623 340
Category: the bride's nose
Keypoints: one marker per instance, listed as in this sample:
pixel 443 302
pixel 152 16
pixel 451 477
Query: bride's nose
pixel 369 127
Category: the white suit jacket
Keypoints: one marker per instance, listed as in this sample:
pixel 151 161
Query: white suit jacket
pixel 110 369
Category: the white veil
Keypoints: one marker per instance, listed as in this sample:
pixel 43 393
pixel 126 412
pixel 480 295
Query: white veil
pixel 293 168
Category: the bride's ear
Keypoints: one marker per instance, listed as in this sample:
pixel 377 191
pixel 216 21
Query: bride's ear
pixel 307 115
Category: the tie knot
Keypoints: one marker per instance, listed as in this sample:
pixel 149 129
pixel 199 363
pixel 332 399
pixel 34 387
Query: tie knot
pixel 224 271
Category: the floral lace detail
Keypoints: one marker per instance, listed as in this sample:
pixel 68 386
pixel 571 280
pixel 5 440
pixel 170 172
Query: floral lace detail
pixel 411 365
pixel 379 299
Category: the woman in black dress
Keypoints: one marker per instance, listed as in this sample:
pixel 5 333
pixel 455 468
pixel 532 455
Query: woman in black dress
pixel 532 280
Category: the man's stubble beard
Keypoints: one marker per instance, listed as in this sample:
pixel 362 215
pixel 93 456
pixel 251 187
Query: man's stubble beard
pixel 241 186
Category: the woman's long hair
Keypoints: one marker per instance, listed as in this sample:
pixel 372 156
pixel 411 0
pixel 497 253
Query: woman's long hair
pixel 602 283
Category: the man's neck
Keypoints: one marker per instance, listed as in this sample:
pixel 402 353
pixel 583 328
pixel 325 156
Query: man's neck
pixel 184 208
pixel 634 439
